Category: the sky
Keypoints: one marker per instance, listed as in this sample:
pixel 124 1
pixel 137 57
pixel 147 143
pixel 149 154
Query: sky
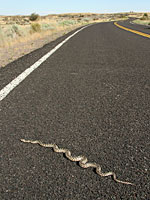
pixel 44 7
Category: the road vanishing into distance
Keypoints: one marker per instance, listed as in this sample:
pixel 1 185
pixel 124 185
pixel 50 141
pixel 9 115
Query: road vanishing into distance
pixel 91 96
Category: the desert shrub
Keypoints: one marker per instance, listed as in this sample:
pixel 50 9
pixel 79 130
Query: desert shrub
pixel 16 30
pixel 47 27
pixel 123 15
pixel 148 23
pixel 35 27
pixel 145 16
pixel 86 19
pixel 33 17
pixel 81 15
pixel 67 22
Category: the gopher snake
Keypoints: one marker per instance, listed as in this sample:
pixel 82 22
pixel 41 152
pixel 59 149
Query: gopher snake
pixel 81 159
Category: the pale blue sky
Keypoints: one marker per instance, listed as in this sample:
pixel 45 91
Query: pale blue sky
pixel 43 7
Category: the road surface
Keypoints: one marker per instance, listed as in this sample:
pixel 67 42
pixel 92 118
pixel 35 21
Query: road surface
pixel 91 96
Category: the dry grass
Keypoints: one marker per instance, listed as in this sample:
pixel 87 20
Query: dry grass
pixel 18 37
pixel 144 19
pixel 18 29
pixel 12 34
pixel 143 22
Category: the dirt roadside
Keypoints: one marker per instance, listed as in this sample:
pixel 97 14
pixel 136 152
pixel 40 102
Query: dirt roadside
pixel 9 54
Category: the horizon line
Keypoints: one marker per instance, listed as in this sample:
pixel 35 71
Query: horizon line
pixel 77 13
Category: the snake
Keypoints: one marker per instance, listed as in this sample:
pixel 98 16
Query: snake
pixel 83 161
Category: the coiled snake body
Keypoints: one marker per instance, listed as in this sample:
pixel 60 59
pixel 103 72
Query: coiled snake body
pixel 83 161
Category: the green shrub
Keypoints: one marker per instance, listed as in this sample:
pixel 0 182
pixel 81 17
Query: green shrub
pixel 35 27
pixel 33 17
pixel 145 15
pixel 86 19
pixel 47 27
pixel 67 22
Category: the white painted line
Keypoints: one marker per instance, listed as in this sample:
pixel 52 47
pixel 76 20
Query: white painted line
pixel 8 88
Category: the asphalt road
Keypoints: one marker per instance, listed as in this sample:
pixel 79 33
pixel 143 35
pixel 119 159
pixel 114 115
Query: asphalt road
pixel 93 97
pixel 138 27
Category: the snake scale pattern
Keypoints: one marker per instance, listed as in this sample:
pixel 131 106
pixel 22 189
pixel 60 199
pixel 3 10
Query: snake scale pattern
pixel 83 161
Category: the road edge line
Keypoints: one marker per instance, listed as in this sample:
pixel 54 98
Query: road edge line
pixel 15 82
